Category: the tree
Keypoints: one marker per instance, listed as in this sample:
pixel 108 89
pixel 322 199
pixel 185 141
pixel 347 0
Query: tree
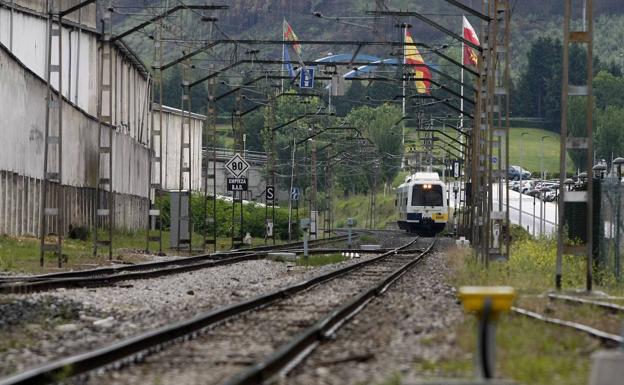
pixel 539 90
pixel 608 90
pixel 538 93
pixel 609 138
pixel 378 125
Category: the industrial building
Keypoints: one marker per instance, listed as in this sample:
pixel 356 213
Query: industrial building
pixel 23 97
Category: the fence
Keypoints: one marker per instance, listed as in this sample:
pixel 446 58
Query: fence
pixel 610 227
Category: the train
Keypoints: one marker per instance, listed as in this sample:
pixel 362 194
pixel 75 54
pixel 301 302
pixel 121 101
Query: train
pixel 421 204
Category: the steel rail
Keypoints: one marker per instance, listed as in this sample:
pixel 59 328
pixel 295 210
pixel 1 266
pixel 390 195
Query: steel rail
pixel 138 346
pixel 613 307
pixel 108 276
pixel 293 352
pixel 603 336
pixel 159 264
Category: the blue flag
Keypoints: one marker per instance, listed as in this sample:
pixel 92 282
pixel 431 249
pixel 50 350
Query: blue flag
pixel 287 63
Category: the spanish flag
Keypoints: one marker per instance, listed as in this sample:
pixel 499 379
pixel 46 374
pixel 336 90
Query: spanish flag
pixel 470 56
pixel 421 70
pixel 289 35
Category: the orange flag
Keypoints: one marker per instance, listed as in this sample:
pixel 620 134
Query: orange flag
pixel 421 70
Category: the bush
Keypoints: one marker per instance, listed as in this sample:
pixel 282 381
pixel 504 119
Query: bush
pixel 253 217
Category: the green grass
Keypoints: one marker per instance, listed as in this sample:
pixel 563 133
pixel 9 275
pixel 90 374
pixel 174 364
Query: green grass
pixel 531 268
pixel 320 260
pixel 529 352
pixel 366 238
pixel 22 254
pixel 525 151
pixel 357 206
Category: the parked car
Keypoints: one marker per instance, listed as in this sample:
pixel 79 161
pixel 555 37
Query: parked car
pixel 550 196
pixel 527 185
pixel 515 172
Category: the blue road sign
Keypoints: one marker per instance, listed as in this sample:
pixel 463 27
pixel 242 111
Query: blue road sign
pixel 294 194
pixel 307 78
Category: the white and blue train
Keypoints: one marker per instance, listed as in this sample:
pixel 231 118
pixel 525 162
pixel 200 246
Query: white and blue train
pixel 421 204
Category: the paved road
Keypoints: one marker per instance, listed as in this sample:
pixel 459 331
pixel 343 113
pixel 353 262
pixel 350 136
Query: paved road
pixel 530 205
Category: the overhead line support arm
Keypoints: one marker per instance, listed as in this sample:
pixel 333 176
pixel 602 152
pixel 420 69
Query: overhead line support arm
pixel 165 14
pixel 430 22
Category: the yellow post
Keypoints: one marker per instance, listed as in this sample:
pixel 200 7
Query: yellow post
pixel 488 302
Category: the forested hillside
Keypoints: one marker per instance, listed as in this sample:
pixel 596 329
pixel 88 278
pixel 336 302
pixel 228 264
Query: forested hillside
pixel 262 19
pixel 536 49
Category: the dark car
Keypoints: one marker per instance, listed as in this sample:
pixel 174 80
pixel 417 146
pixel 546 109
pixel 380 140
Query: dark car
pixel 515 172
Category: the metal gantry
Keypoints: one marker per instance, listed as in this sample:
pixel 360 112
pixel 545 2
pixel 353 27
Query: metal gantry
pixel 51 207
pixel 155 173
pixel 185 182
pixel 490 137
pixel 237 196
pixel 104 196
pixel 210 170
pixel 582 34
pixel 327 218
pixel 269 135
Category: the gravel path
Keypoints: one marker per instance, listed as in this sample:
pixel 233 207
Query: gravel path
pixel 410 324
pixel 99 316
pixel 227 349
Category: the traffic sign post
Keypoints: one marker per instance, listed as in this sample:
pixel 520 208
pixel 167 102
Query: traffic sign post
pixel 294 194
pixel 269 193
pixel 237 184
pixel 307 78
pixel 237 166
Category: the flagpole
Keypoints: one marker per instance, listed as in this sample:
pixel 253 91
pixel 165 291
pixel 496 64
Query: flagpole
pixel 283 53
pixel 461 100
pixel 404 165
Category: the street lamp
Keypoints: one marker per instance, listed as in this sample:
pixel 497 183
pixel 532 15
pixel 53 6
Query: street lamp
pixel 521 175
pixel 533 193
pixel 542 157
pixel 618 163
pixel 543 192
pixel 600 170
pixel 618 271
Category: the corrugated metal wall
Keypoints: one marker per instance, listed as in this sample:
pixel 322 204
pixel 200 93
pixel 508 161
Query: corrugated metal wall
pixel 172 127
pixel 19 206
pixel 22 126
pixel 27 42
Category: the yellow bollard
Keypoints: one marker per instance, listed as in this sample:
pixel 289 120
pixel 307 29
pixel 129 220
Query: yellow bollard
pixel 488 302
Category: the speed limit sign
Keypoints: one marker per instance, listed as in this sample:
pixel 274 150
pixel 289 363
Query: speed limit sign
pixel 237 165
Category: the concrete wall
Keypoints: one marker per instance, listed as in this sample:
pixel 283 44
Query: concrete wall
pixel 172 127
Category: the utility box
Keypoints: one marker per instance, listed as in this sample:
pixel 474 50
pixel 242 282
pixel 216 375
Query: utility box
pixel 179 205
pixel 576 220
pixel 576 216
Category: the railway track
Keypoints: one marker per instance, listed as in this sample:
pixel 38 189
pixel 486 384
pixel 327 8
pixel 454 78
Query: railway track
pixel 111 275
pixel 605 337
pixel 290 320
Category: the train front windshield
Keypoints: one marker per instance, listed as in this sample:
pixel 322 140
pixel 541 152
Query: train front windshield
pixel 427 195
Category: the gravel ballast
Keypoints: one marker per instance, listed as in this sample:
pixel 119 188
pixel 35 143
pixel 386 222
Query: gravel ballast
pixel 392 334
pixel 108 314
